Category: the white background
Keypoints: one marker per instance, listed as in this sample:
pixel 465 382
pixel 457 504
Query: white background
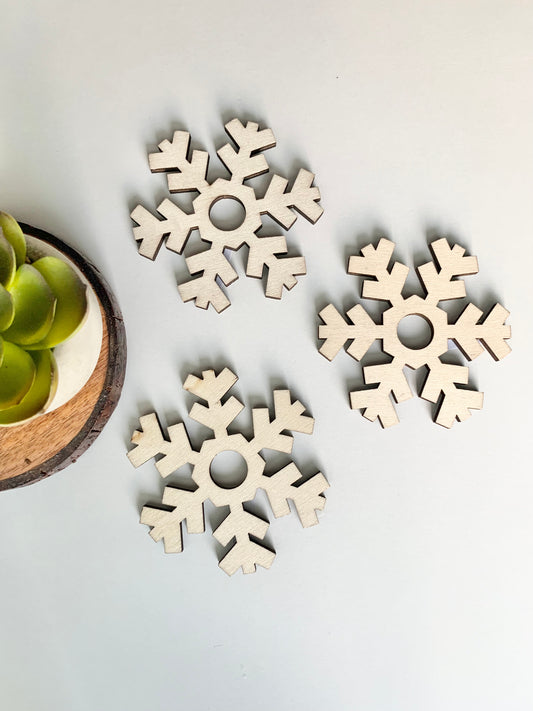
pixel 415 591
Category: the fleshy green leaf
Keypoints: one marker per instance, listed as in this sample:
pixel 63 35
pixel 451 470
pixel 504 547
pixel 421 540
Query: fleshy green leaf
pixel 8 264
pixel 70 293
pixel 1 350
pixel 7 310
pixel 14 236
pixel 17 374
pixel 34 304
pixel 38 395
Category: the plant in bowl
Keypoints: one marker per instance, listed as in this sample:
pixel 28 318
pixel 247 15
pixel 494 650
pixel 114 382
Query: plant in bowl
pixel 42 304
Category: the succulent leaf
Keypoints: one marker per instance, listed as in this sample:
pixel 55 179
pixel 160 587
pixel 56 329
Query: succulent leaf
pixel 14 235
pixel 39 394
pixel 7 309
pixel 8 264
pixel 34 304
pixel 71 306
pixel 17 374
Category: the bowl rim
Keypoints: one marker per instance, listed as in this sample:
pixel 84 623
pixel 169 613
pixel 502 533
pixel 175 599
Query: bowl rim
pixel 114 378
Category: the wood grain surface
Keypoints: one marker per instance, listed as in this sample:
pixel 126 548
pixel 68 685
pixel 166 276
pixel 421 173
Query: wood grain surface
pixel 36 449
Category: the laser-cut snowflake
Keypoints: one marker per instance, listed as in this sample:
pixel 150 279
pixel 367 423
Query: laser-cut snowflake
pixel 186 175
pixel 283 486
pixel 470 334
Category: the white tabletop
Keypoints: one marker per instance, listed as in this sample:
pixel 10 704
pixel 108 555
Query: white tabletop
pixel 414 591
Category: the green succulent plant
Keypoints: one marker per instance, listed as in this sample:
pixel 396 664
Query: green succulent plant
pixel 42 304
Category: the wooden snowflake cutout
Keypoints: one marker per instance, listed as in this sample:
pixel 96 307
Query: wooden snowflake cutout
pixel 470 332
pixel 183 505
pixel 189 174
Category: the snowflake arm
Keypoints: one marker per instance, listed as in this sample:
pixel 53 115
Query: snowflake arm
pixel 166 525
pixel 457 402
pixel 335 332
pixel 440 285
pixel 288 416
pixel 212 388
pixel 303 197
pixel 308 498
pixel 247 162
pixel 205 290
pixel 492 334
pixel 374 263
pixel 149 442
pixel 173 156
pixel 245 553
pixel 282 272
pixel 151 231
pixel 377 402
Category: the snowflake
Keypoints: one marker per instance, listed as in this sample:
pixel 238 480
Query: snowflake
pixel 469 332
pixel 286 484
pixel 186 175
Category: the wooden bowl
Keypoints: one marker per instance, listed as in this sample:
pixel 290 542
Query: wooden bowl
pixel 36 449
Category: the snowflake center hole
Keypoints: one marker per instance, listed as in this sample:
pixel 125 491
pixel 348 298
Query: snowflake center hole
pixel 415 332
pixel 228 469
pixel 227 213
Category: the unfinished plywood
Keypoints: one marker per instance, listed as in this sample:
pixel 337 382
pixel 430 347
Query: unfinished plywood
pixel 189 174
pixel 471 332
pixel 283 486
